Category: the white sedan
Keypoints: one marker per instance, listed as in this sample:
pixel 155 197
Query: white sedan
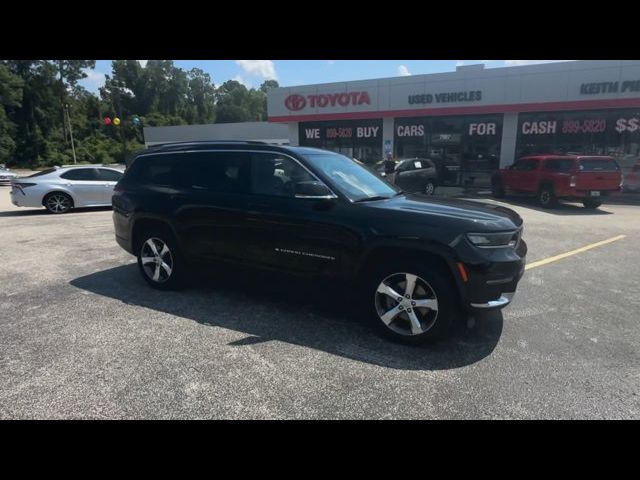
pixel 6 176
pixel 60 189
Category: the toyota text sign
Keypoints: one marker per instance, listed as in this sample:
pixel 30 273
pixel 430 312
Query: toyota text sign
pixel 296 102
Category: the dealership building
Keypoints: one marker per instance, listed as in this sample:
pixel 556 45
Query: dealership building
pixel 474 120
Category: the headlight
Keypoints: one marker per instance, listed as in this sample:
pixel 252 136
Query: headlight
pixel 494 240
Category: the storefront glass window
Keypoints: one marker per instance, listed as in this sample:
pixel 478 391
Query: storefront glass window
pixel 360 139
pixel 466 150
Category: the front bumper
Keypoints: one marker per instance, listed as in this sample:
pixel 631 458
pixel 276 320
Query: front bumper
pixel 503 301
pixel 492 275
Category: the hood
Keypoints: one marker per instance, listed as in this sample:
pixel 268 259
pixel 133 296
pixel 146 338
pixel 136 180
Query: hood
pixel 478 216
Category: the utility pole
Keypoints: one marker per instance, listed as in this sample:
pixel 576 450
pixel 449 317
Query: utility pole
pixel 62 102
pixel 73 147
pixel 121 129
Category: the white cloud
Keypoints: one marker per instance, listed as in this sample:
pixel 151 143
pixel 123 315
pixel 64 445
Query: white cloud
pixel 331 62
pixel 261 68
pixel 403 71
pixel 95 79
pixel 143 63
pixel 517 63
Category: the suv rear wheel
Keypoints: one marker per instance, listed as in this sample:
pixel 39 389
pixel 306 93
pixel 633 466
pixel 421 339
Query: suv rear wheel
pixel 159 260
pixel 409 303
pixel 547 197
pixel 430 187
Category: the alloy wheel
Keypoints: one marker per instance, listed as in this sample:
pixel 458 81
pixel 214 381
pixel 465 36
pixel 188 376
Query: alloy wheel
pixel 406 304
pixel 429 188
pixel 58 203
pixel 157 261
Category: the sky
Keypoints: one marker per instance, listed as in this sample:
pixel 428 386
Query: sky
pixel 300 72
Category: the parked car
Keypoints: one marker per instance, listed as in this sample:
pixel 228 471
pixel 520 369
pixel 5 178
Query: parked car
pixel 631 181
pixel 416 175
pixel 6 176
pixel 411 261
pixel 553 177
pixel 60 189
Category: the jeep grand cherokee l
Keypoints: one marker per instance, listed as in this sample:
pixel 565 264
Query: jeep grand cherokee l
pixel 554 177
pixel 411 260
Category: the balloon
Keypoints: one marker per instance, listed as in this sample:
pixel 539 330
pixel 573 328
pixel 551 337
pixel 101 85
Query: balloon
pixel 116 121
pixel 107 121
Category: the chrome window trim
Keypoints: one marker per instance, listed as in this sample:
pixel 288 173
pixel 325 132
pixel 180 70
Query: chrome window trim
pixel 250 151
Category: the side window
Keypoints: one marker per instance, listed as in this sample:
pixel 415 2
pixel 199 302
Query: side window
pixel 109 175
pixel 81 174
pixel 156 170
pixel 526 164
pixel 224 172
pixel 276 175
pixel 404 166
pixel 552 165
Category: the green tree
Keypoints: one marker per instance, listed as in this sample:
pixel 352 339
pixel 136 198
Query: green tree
pixel 10 99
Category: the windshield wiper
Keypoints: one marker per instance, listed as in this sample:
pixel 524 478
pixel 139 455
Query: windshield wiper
pixel 371 199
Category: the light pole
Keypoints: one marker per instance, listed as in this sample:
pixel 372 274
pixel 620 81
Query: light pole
pixel 73 147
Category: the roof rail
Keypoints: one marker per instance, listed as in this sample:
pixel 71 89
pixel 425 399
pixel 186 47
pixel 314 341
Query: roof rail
pixel 206 142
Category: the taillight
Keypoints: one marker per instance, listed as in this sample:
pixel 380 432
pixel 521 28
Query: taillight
pixel 572 181
pixel 22 186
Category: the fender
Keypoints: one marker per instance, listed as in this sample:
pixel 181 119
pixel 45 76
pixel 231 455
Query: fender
pixel 444 252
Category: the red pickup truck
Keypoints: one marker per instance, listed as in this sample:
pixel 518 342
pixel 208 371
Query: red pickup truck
pixel 552 177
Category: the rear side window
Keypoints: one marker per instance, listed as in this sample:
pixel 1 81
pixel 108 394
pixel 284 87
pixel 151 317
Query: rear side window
pixel 83 174
pixel 156 170
pixel 558 165
pixel 598 165
pixel 224 172
pixel 526 164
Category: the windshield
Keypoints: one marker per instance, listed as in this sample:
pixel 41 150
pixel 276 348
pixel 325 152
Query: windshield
pixel 353 180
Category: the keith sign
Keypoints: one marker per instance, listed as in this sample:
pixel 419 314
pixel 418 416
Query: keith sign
pixel 297 102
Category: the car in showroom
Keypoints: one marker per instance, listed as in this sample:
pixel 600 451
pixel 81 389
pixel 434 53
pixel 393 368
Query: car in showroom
pixel 60 189
pixel 415 175
pixel 412 262
pixel 585 178
pixel 6 176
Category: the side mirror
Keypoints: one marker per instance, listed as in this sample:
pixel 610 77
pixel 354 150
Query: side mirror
pixel 312 189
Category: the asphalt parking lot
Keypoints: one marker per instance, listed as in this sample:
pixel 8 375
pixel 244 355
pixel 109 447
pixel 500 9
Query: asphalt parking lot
pixel 82 336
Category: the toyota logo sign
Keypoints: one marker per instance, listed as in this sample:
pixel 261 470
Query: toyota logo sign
pixel 295 102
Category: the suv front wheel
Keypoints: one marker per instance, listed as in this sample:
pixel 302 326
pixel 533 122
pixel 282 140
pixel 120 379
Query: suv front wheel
pixel 159 260
pixel 410 304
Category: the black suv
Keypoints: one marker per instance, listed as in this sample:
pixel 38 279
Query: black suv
pixel 412 260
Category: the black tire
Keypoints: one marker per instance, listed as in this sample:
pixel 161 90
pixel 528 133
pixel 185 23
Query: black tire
pixel 58 202
pixel 171 269
pixel 497 189
pixel 436 324
pixel 591 204
pixel 547 197
pixel 429 188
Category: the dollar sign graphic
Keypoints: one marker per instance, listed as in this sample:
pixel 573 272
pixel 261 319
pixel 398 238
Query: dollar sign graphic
pixel 632 126
pixel 621 125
